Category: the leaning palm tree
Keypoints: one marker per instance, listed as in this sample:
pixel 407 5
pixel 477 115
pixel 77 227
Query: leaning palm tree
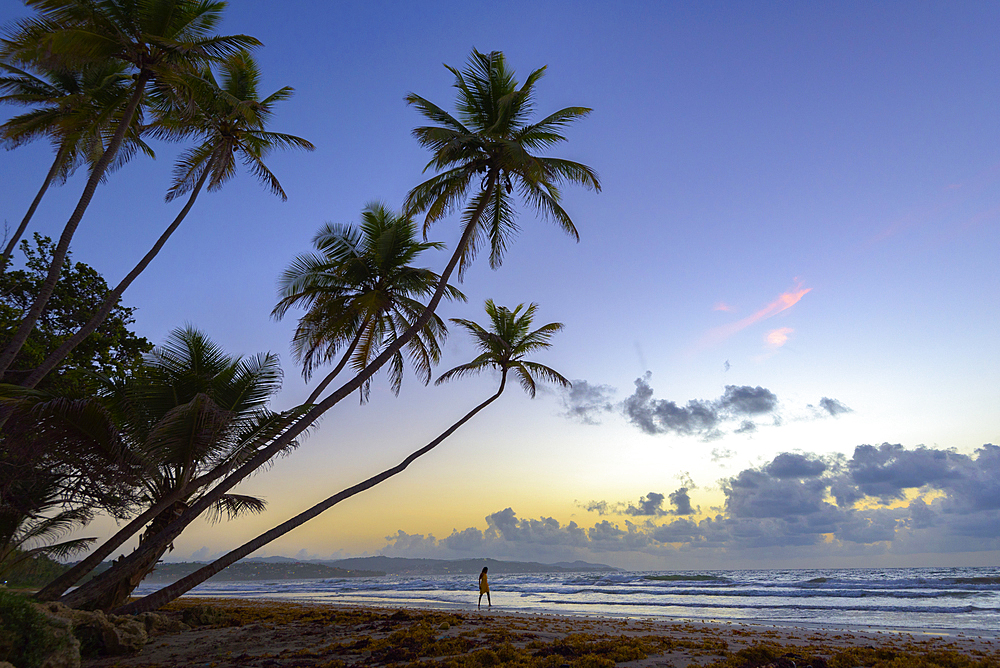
pixel 229 118
pixel 192 409
pixel 74 110
pixel 494 149
pixel 503 346
pixel 154 39
pixel 360 292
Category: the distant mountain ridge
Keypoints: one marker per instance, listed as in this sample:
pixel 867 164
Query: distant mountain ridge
pixel 258 570
pixel 287 568
pixel 405 566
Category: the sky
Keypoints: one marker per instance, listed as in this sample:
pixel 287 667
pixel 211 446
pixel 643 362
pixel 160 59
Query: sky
pixel 780 318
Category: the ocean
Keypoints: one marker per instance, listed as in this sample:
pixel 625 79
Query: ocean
pixel 934 600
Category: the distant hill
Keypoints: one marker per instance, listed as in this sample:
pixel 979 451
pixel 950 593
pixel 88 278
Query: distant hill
pixel 286 568
pixel 403 566
pixel 258 570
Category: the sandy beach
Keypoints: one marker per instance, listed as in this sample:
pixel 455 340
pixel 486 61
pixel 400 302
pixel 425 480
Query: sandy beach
pixel 268 634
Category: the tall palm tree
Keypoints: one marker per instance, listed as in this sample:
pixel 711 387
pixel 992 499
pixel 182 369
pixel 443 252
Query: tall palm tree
pixel 503 345
pixel 191 409
pixel 360 292
pixel 74 110
pixel 229 118
pixel 152 38
pixel 487 84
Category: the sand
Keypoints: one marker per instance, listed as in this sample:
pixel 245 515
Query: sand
pixel 269 634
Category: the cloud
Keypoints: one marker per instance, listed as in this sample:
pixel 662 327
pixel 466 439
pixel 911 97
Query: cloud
pixel 888 470
pixel 796 506
pixel 778 337
pixel 722 306
pixel 651 504
pixel 682 502
pixel 506 526
pixel 698 417
pixel 585 402
pixel 833 407
pixel 784 302
pixel 722 454
pixel 793 465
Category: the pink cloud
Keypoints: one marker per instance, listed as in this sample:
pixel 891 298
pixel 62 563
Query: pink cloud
pixel 784 302
pixel 778 337
pixel 722 306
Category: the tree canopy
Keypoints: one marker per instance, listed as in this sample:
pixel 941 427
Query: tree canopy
pixel 113 350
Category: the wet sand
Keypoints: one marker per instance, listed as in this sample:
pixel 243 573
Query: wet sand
pixel 272 634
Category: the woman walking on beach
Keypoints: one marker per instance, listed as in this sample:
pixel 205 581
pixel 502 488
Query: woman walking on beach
pixel 484 588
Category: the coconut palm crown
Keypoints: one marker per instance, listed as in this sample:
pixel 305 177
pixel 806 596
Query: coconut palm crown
pixel 228 116
pixel 360 292
pixel 77 110
pixel 505 345
pixel 487 150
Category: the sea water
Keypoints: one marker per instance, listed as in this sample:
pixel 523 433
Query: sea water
pixel 946 600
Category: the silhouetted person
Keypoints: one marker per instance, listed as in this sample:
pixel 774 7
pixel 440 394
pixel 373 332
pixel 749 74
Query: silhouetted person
pixel 484 588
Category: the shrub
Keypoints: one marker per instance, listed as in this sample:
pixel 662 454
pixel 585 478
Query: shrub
pixel 26 634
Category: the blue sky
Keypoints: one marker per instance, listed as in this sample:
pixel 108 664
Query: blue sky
pixel 800 203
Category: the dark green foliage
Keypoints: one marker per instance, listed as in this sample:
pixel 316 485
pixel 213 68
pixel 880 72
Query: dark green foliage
pixel 33 572
pixel 113 350
pixel 26 637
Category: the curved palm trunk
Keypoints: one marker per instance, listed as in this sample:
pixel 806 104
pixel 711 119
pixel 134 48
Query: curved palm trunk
pixel 340 365
pixel 119 594
pixel 170 592
pixel 58 587
pixel 132 564
pixel 28 323
pixel 12 244
pixel 111 300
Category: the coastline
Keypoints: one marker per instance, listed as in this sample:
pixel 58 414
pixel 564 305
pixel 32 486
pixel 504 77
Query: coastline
pixel 274 634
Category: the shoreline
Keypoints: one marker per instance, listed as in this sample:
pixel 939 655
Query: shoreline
pixel 452 607
pixel 273 634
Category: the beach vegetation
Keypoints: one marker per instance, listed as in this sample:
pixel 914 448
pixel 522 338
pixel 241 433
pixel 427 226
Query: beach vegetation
pixel 27 638
pixel 192 412
pixel 112 349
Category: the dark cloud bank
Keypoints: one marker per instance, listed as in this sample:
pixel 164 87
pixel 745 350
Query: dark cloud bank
pixel 739 410
pixel 797 505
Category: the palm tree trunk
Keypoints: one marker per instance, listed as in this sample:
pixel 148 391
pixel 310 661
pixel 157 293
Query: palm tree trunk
pixel 58 587
pixel 12 244
pixel 340 365
pixel 110 588
pixel 111 300
pixel 132 564
pixel 170 592
pixel 28 323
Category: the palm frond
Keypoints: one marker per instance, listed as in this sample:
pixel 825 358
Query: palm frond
pixel 231 506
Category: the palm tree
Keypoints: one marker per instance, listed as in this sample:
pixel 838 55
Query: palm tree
pixel 153 38
pixel 75 109
pixel 191 409
pixel 503 347
pixel 229 118
pixel 34 518
pixel 59 463
pixel 503 150
pixel 360 292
